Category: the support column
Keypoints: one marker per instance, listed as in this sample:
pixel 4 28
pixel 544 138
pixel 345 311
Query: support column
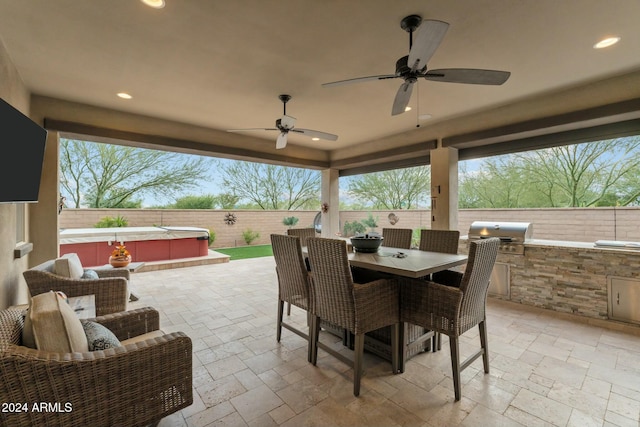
pixel 43 216
pixel 330 197
pixel 444 189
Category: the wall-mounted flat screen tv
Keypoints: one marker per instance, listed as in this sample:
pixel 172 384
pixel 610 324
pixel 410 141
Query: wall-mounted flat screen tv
pixel 22 141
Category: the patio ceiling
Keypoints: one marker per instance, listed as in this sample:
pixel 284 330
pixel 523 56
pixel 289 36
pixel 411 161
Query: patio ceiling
pixel 198 68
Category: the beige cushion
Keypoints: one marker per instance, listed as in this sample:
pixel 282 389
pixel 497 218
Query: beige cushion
pixel 56 327
pixel 69 265
pixel 143 337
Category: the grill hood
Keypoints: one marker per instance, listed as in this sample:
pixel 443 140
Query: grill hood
pixel 508 232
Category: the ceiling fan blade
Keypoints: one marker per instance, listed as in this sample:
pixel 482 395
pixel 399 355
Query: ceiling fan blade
pixel 281 142
pixel 359 80
pixel 402 98
pixel 468 75
pixel 316 134
pixel 428 37
pixel 249 130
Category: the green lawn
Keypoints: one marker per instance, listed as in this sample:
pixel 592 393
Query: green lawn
pixel 244 252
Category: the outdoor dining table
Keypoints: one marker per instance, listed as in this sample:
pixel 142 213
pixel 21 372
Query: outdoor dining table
pixel 411 263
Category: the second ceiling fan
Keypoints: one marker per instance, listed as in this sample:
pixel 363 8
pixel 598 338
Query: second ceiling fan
pixel 410 68
pixel 286 124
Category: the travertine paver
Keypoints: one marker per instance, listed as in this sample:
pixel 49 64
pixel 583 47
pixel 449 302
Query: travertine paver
pixel 546 368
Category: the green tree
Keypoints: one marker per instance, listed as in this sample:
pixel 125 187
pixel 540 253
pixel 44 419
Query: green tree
pixel 194 202
pixel 584 174
pixel 225 201
pixel 405 188
pixel 600 173
pixel 270 186
pixel 111 176
pixel 500 183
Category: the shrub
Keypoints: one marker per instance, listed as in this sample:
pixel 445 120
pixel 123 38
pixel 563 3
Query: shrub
pixel 290 221
pixel 352 228
pixel 212 236
pixel 109 221
pixel 415 237
pixel 249 235
pixel 370 222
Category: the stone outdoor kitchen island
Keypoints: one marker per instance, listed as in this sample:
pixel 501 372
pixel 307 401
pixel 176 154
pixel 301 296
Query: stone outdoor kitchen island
pixel 573 277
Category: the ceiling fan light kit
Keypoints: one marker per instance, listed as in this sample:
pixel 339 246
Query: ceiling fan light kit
pixel 286 124
pixel 428 36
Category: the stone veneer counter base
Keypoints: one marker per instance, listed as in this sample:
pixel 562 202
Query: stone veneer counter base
pixel 568 277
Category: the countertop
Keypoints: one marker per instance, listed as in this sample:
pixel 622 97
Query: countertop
pixel 574 245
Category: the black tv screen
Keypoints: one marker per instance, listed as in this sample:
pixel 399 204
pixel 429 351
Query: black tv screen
pixel 23 142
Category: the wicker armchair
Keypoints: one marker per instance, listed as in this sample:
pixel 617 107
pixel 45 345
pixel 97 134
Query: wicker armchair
pixel 454 310
pixel 358 308
pixel 133 385
pixel 110 289
pixel 397 237
pixel 303 233
pixel 293 281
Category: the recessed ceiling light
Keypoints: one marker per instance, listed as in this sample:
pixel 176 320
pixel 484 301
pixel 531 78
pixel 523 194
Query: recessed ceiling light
pixel 609 41
pixel 407 108
pixel 124 95
pixel 315 139
pixel 156 4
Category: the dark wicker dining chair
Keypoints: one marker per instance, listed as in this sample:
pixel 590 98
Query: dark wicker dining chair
pixel 303 233
pixel 453 310
pixel 397 237
pixel 358 308
pixel 293 282
pixel 445 241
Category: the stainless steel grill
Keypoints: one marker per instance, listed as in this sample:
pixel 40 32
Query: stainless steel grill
pixel 513 235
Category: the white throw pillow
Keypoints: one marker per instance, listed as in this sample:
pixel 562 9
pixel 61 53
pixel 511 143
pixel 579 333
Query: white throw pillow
pixel 69 265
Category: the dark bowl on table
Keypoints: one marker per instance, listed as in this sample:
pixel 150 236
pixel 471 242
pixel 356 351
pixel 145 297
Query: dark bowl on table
pixel 367 243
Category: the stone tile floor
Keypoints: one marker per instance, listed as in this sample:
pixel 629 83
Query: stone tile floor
pixel 547 369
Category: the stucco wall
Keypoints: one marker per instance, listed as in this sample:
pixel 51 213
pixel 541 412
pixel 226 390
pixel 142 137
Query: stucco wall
pixel 579 224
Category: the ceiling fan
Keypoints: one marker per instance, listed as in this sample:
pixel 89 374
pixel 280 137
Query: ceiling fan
pixel 429 35
pixel 286 124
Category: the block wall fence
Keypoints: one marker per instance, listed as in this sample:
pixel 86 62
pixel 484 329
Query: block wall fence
pixel 572 224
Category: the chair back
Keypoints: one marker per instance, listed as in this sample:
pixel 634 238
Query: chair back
pixel 293 278
pixel 331 281
pixel 445 241
pixel 303 233
pixel 397 237
pixel 475 281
